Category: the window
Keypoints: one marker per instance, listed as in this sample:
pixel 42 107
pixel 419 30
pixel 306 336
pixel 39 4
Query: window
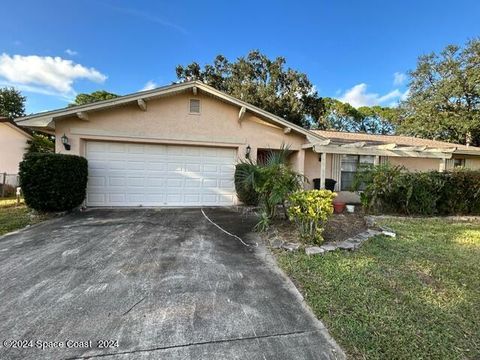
pixel 194 106
pixel 457 163
pixel 350 165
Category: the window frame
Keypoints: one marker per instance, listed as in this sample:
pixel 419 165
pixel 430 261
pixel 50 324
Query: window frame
pixel 462 163
pixel 358 162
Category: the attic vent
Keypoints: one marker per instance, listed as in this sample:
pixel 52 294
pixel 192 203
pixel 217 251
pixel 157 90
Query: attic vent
pixel 194 106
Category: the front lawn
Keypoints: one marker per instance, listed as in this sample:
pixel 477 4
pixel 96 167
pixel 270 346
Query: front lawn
pixel 14 217
pixel 416 296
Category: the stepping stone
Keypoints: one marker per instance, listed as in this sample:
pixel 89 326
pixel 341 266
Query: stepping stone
pixel 313 250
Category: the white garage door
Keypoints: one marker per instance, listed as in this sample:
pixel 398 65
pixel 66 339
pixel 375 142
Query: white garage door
pixel 126 174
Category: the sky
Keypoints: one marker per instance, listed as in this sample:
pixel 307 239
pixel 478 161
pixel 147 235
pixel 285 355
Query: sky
pixel 356 51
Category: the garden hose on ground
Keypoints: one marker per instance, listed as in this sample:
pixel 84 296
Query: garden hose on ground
pixel 226 232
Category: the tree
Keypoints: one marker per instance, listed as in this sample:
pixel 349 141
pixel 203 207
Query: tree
pixel 12 103
pixel 83 99
pixel 340 116
pixel 378 119
pixel 444 96
pixel 262 82
pixel 40 144
pixel 368 119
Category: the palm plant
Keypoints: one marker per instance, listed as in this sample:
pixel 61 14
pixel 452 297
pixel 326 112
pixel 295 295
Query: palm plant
pixel 272 182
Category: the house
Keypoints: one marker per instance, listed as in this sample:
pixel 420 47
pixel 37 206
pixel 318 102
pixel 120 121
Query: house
pixel 177 146
pixel 13 144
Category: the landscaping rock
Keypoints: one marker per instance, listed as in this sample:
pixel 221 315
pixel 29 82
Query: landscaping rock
pixel 314 250
pixel 328 247
pixel 291 246
pixel 370 221
pixel 389 233
pixel 346 245
pixel 276 243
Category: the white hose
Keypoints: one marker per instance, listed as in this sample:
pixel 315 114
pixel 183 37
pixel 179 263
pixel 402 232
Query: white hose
pixel 226 232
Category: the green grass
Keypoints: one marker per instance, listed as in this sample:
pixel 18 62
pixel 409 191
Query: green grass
pixel 13 217
pixel 416 296
pixel 9 202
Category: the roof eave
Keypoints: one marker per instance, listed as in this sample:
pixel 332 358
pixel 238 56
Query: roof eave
pixel 47 119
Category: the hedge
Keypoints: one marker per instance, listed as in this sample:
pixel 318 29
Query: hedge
pixel 53 182
pixel 395 190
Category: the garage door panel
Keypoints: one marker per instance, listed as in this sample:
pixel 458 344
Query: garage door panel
pixel 115 164
pixel 116 198
pixel 117 147
pixel 125 174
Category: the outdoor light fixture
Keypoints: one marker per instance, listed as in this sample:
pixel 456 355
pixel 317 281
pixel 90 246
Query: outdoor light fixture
pixel 65 143
pixel 247 151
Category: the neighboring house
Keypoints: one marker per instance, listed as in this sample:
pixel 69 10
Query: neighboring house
pixel 177 146
pixel 13 144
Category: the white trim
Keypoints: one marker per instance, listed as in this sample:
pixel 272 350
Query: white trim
pixel 335 149
pixel 323 169
pixel 359 144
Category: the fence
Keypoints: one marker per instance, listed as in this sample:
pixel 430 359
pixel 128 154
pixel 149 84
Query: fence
pixel 8 184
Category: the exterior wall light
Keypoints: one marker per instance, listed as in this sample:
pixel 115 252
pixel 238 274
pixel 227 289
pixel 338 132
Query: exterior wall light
pixel 65 143
pixel 247 151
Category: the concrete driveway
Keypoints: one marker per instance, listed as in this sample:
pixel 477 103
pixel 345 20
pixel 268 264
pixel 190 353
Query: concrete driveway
pixel 150 283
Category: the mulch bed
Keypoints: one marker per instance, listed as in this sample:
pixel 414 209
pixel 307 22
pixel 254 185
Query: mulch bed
pixel 343 226
pixel 340 227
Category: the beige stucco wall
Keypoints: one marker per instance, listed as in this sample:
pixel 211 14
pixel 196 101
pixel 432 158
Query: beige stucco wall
pixel 13 144
pixel 416 164
pixel 312 167
pixel 168 121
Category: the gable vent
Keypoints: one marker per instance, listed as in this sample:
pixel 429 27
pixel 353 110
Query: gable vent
pixel 194 106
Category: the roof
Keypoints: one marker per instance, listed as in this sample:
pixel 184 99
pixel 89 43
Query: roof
pixel 348 137
pixel 340 137
pixel 47 119
pixel 12 124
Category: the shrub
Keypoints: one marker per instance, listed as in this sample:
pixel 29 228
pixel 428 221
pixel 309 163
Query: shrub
pixel 271 182
pixel 393 189
pixel 309 210
pixel 244 183
pixel 53 182
pixel 460 193
pixel 276 183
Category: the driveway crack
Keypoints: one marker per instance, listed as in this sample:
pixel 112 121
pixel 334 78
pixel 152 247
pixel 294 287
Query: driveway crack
pixel 160 348
pixel 138 302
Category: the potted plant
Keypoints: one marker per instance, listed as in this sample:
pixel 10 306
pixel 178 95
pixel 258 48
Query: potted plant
pixel 338 207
